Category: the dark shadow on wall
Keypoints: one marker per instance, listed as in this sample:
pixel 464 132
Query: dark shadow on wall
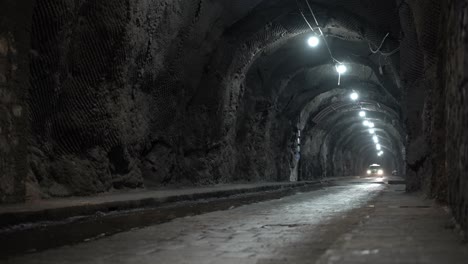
pixel 15 28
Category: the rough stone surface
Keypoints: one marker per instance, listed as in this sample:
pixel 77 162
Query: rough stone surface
pixel 127 94
pixel 453 142
pixel 15 26
pixel 434 77
pixel 357 223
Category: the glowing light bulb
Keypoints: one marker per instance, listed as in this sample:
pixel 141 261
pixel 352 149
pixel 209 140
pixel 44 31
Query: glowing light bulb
pixel 365 123
pixel 362 114
pixel 340 68
pixel 376 139
pixel 313 41
pixel 371 131
pixel 378 147
pixel 371 125
pixel 354 96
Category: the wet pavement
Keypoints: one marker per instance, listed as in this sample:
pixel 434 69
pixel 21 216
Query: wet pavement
pixel 359 221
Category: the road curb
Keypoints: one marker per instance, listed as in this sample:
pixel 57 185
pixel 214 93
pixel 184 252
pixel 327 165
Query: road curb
pixel 61 213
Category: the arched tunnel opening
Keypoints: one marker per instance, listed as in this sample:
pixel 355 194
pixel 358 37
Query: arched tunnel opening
pixel 297 115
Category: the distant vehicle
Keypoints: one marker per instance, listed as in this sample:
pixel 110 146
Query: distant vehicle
pixel 375 170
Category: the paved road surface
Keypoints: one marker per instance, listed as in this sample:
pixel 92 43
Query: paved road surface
pixel 354 222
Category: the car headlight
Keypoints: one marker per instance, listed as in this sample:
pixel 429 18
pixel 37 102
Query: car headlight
pixel 369 171
pixel 380 172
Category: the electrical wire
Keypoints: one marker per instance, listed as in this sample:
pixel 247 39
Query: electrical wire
pixel 318 28
pixel 312 12
pixel 381 44
pixel 305 19
pixel 321 33
pixel 380 48
pixel 391 52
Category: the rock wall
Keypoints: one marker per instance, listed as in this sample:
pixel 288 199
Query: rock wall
pixel 314 155
pixel 80 100
pixel 419 26
pixel 437 111
pixel 112 100
pixel 453 139
pixel 15 25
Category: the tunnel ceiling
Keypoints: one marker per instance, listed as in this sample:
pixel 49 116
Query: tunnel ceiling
pixel 303 83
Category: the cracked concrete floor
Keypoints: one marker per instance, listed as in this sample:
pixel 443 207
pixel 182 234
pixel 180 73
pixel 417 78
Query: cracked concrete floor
pixel 353 222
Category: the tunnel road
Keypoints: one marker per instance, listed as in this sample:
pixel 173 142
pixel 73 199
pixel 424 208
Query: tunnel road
pixel 356 221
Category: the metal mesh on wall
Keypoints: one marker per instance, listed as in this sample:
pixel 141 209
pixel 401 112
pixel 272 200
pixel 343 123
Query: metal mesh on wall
pixel 421 39
pixel 420 24
pixel 96 92
pixel 74 69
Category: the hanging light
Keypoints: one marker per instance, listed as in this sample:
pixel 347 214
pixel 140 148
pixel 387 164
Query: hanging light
pixel 341 68
pixel 378 147
pixel 376 139
pixel 371 125
pixel 313 41
pixel 371 131
pixel 354 96
pixel 362 114
pixel 365 123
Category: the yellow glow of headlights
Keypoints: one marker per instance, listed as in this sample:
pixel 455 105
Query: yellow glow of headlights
pixel 380 172
pixel 369 172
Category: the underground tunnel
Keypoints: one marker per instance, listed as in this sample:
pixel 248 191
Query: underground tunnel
pixel 243 131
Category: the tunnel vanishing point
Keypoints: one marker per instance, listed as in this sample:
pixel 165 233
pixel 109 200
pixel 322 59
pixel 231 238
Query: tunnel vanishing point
pixel 114 97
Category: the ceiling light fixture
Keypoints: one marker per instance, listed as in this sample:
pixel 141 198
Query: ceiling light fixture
pixel 362 114
pixel 341 68
pixel 313 41
pixel 354 96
